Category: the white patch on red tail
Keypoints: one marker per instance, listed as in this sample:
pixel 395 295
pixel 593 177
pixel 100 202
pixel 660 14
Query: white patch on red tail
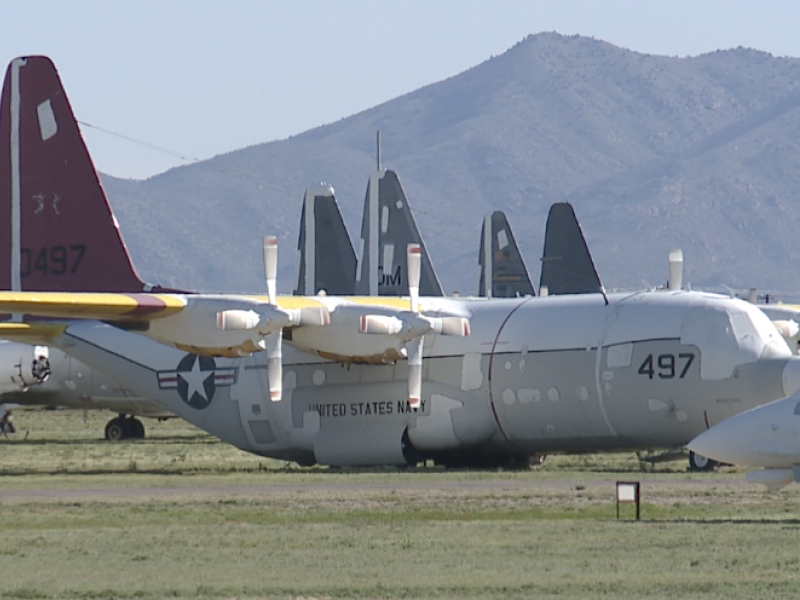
pixel 47 120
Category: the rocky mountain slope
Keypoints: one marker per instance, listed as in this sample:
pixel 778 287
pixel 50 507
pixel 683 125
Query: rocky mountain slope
pixel 654 152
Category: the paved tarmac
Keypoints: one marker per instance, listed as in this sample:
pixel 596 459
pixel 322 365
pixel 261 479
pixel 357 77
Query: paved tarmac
pixel 33 495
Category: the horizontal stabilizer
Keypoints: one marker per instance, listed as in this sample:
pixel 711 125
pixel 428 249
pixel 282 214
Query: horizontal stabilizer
pixel 503 273
pixel 567 265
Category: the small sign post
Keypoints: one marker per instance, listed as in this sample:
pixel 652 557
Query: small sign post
pixel 628 491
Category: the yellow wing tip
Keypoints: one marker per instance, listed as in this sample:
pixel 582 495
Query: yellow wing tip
pixel 35 330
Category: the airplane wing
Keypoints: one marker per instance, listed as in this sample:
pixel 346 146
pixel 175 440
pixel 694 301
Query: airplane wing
pixel 235 325
pixel 367 329
pixel 39 333
pixel 224 325
pixel 99 306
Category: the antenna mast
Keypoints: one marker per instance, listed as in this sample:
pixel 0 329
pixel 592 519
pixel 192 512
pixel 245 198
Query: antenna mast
pixel 378 147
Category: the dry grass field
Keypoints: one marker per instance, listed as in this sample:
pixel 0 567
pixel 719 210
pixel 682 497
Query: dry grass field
pixel 180 515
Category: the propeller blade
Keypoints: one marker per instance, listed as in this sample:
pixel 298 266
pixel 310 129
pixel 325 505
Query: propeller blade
pixel 414 257
pixel 271 265
pixel 414 350
pixel 273 346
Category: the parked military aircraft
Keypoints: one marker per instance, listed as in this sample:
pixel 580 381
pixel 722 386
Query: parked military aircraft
pixel 567 265
pixel 387 226
pixel 49 178
pixel 381 380
pixel 326 261
pixel 503 273
pixel 35 109
pixel 767 436
pixel 41 376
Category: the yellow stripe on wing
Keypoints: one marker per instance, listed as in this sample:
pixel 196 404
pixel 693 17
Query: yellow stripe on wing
pixel 289 302
pixel 789 306
pixel 91 305
pixel 286 302
pixel 391 301
pixel 146 307
pixel 31 333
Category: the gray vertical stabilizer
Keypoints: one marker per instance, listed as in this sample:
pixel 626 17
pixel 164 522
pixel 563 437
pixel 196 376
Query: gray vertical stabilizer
pixel 567 266
pixel 387 228
pixel 325 256
pixel 503 273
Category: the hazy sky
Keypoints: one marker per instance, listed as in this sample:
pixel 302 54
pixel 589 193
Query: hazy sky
pixel 202 78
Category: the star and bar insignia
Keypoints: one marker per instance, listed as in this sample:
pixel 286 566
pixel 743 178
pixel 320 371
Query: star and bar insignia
pixel 197 379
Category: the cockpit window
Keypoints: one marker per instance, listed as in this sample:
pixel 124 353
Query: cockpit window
pixel 728 334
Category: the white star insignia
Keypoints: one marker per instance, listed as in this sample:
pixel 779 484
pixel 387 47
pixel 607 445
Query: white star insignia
pixel 195 380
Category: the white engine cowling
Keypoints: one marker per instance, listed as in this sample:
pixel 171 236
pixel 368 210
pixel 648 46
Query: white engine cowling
pixel 22 365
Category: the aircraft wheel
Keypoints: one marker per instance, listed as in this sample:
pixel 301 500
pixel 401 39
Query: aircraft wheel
pixel 135 429
pixel 116 430
pixel 699 463
pixel 518 463
pixel 537 459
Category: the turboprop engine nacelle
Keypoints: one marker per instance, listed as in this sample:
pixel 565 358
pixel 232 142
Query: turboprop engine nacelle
pixel 22 365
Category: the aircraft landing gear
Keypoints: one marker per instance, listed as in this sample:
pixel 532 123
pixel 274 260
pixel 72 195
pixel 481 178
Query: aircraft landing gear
pixel 7 424
pixel 698 463
pixel 124 428
pixel 513 462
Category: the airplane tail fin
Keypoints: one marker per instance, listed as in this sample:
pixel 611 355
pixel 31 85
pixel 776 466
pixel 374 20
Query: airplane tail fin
pixel 387 227
pixel 503 271
pixel 325 256
pixel 567 265
pixel 57 230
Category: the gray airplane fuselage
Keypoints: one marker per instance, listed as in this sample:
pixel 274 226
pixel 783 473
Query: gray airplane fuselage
pixel 70 383
pixel 535 376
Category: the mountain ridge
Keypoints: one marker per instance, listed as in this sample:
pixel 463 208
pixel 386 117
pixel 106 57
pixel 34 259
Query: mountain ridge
pixel 654 152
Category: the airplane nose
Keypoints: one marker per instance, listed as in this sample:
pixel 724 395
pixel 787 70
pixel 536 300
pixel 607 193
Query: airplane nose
pixel 766 436
pixel 722 443
pixel 791 376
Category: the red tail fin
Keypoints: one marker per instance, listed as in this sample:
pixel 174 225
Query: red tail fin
pixel 57 231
